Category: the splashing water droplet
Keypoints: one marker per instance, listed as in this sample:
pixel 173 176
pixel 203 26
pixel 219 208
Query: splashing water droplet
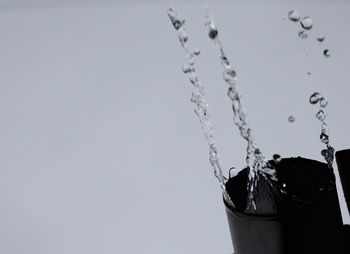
pixel 324 138
pixel 306 23
pixel 329 156
pixel 293 15
pixel 224 60
pixel 186 68
pixel 198 99
pixel 314 98
pixel 324 152
pixel 323 102
pixel 324 134
pixel 230 74
pixel 326 53
pixel 321 115
pixel 175 19
pixel 291 119
pixel 321 37
pixel 328 153
pixel 257 151
pixel 183 37
pixel 277 158
pixel 258 167
pixel 194 78
pixel 232 94
pixel 302 34
pixel 196 51
pixel 212 30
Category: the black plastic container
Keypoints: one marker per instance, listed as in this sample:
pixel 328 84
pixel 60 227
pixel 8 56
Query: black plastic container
pixel 312 224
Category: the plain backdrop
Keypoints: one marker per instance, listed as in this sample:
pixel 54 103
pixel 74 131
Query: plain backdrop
pixel 100 151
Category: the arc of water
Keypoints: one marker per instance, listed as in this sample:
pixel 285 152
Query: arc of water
pixel 198 98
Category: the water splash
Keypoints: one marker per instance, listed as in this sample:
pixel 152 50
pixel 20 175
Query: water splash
pixel 259 169
pixel 230 76
pixel 323 102
pixel 198 99
pixel 327 153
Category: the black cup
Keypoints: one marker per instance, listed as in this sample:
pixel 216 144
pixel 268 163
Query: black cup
pixel 309 221
pixel 343 162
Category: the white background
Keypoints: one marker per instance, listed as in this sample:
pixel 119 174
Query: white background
pixel 100 151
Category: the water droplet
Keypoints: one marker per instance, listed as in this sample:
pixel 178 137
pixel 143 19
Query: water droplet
pixel 291 119
pixel 236 106
pixel 293 15
pixel 183 37
pixel 326 53
pixel 324 138
pixel 329 155
pixel 194 78
pixel 323 102
pixel 325 129
pixel 314 98
pixel 186 68
pixel 302 34
pixel 232 93
pixel 324 133
pixel 324 152
pixel 257 151
pixel 229 74
pixel 196 51
pixel 258 155
pixel 175 19
pixel 277 158
pixel 306 23
pixel 321 37
pixel 213 31
pixel 225 60
pixel 321 115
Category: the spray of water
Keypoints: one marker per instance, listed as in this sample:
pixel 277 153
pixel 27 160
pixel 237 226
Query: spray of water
pixel 259 168
pixel 198 98
pixel 230 77
pixel 328 153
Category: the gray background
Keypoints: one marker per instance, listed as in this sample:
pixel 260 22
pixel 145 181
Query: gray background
pixel 100 151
